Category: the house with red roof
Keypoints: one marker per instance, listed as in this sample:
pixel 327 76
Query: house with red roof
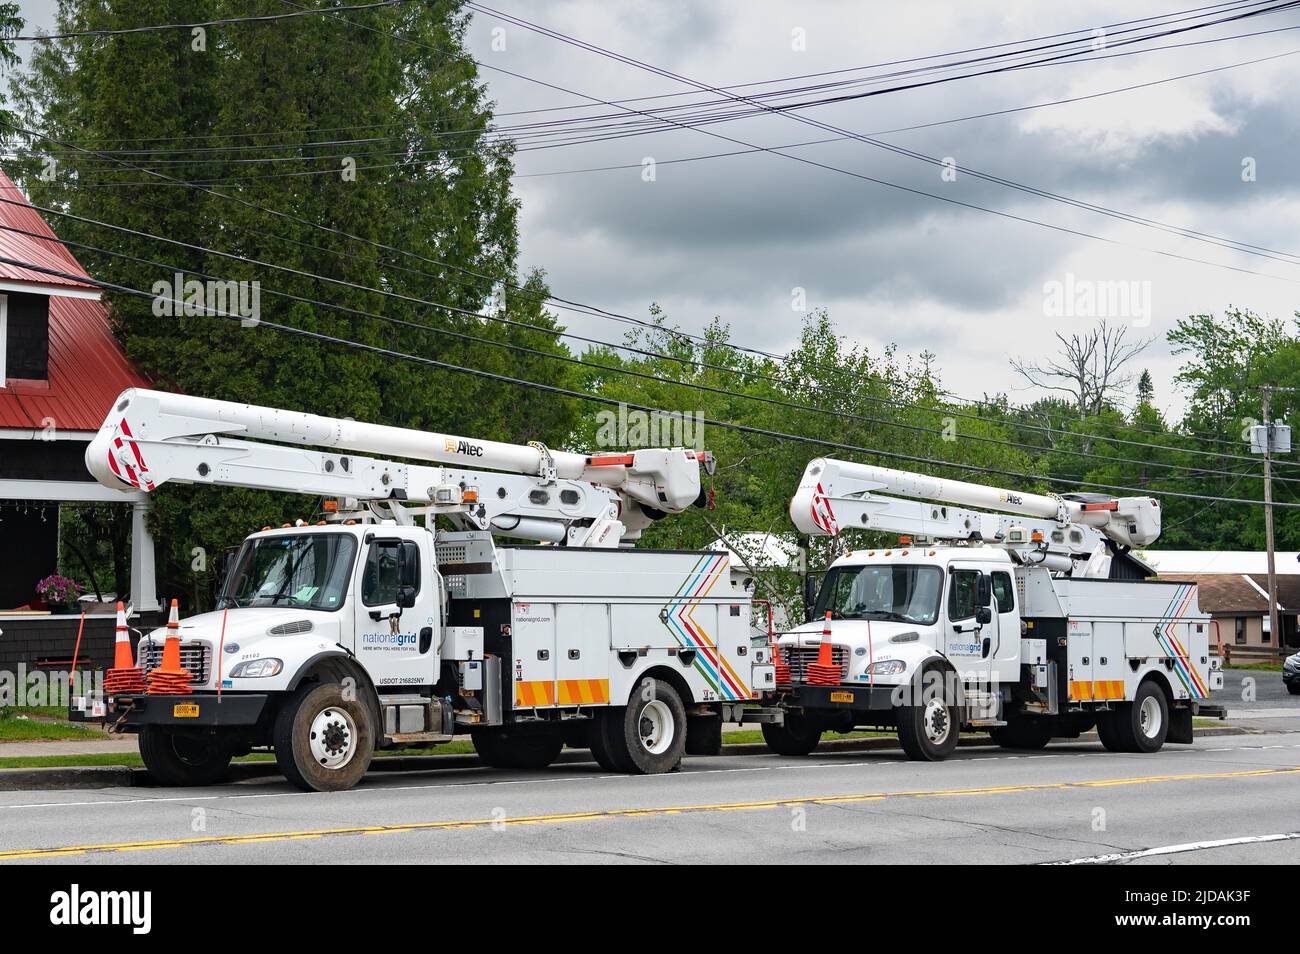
pixel 60 370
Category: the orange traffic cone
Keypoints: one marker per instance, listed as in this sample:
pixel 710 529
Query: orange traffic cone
pixel 170 679
pixel 824 672
pixel 125 677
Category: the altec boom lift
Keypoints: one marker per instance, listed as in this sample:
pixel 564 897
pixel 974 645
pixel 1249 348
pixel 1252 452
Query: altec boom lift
pixel 1030 619
pixel 370 629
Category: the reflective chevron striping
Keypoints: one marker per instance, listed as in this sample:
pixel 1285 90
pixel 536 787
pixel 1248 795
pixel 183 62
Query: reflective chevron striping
pixel 538 692
pixel 583 692
pixel 1100 690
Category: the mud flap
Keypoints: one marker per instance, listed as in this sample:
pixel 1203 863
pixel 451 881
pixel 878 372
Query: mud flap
pixel 704 735
pixel 1180 725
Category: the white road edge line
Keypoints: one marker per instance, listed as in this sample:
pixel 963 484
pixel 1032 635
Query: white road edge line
pixel 1178 849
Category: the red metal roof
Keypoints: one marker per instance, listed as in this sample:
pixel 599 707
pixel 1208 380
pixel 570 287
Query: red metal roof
pixel 87 368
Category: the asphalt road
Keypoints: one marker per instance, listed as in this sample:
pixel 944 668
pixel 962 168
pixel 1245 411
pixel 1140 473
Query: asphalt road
pixel 1071 802
pixel 1246 689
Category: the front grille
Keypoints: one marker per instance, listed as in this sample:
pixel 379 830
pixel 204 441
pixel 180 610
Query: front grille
pixel 196 657
pixel 798 658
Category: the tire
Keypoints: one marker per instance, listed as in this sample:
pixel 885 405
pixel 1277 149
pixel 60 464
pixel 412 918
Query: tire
pixel 599 742
pixel 1022 734
pixel 1107 733
pixel 648 735
pixel 174 758
pixel 1293 688
pixel 516 749
pixel 704 735
pixel 1142 724
pixel 799 735
pixel 323 742
pixel 928 732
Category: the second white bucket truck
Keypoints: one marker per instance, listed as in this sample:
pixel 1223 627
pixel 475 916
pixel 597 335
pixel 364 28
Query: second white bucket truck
pixel 1030 622
pixel 367 630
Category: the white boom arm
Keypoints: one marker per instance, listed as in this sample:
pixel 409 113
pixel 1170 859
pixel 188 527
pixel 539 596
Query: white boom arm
pixel 837 495
pixel 152 437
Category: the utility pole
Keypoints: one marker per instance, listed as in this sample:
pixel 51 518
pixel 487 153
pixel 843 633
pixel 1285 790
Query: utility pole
pixel 1275 632
pixel 1275 439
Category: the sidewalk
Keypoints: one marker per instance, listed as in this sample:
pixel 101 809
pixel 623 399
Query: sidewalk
pixel 37 748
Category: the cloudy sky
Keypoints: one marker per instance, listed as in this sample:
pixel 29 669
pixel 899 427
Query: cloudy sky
pixel 734 236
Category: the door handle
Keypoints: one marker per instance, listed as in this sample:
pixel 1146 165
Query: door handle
pixel 543 654
pixel 1085 660
pixel 575 653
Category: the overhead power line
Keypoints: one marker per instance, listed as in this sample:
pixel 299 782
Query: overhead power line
pixel 407 299
pixel 1184 472
pixel 613 402
pixel 224 21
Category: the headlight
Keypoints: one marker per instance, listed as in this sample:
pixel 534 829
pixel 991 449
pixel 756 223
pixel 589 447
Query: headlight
pixel 887 667
pixel 257 668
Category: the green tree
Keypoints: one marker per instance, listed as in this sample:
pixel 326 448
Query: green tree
pixel 370 124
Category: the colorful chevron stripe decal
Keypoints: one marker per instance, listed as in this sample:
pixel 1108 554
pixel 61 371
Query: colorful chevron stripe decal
pixel 678 616
pixel 1166 635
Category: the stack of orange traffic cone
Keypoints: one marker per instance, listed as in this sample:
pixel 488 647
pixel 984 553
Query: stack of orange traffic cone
pixel 170 679
pixel 783 675
pixel 824 672
pixel 125 677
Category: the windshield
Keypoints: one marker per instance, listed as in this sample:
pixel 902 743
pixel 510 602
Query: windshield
pixel 909 594
pixel 305 571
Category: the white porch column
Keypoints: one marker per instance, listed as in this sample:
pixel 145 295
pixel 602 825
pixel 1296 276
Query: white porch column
pixel 144 586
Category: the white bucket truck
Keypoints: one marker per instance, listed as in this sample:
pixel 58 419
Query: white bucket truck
pixel 366 630
pixel 1029 623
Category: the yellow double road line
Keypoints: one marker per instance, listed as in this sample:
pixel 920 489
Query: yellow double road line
pixel 570 817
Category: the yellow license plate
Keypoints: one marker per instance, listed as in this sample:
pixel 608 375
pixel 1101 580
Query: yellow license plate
pixel 185 710
pixel 841 697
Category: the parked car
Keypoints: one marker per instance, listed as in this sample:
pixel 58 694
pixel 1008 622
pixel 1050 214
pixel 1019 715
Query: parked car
pixel 1291 674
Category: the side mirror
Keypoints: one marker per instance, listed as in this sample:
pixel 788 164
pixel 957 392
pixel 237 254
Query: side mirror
pixel 408 566
pixel 983 616
pixel 809 597
pixel 983 590
pixel 405 597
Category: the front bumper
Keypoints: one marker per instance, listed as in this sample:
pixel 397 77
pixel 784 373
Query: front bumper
pixel 1290 676
pixel 839 697
pixel 202 709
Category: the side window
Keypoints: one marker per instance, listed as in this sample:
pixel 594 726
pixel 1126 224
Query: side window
pixel 1004 592
pixel 380 578
pixel 961 598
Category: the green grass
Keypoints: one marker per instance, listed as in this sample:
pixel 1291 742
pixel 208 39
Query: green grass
pixel 40 723
pixel 1259 667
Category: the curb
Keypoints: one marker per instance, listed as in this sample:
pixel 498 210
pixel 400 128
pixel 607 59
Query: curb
pixel 79 776
pixel 111 776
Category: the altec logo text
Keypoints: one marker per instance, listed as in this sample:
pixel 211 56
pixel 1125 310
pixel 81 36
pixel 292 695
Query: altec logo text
pixel 75 907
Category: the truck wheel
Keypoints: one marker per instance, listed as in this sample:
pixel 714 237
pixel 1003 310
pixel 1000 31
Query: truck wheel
pixel 506 749
pixel 599 741
pixel 1107 732
pixel 928 732
pixel 650 736
pixel 1143 724
pixel 323 742
pixel 799 735
pixel 177 758
pixel 1022 734
pixel 704 735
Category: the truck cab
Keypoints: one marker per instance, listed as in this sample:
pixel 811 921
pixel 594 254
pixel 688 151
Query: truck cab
pixel 934 639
